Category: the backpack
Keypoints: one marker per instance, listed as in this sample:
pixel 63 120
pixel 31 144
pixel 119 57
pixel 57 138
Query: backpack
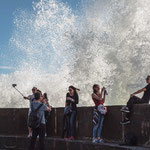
pixel 34 119
pixel 130 139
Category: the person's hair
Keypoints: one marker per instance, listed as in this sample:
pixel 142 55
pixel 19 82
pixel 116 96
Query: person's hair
pixel 148 77
pixel 45 95
pixel 94 86
pixel 37 95
pixel 75 89
pixel 34 88
pixel 39 91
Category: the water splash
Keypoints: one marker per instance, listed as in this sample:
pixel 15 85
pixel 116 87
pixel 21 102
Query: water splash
pixel 107 44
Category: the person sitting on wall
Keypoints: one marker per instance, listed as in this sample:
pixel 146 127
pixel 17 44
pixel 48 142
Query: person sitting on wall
pixel 136 100
pixel 99 112
pixel 31 99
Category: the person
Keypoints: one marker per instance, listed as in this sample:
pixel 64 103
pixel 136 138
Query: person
pixel 136 100
pixel 31 99
pixel 99 112
pixel 41 129
pixel 45 100
pixel 47 114
pixel 72 99
pixel 39 91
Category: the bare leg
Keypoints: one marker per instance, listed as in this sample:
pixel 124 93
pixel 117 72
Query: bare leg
pixel 30 132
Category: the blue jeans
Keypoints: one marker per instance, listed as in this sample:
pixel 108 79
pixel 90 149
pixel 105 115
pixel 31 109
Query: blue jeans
pixel 72 123
pixel 97 129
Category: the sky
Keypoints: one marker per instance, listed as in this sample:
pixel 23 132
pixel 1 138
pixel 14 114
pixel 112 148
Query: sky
pixel 7 11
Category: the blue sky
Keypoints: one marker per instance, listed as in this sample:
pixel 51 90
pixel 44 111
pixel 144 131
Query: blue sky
pixel 7 10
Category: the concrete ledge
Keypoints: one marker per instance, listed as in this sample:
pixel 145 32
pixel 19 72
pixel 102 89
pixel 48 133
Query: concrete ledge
pixel 140 124
pixel 21 143
pixel 14 122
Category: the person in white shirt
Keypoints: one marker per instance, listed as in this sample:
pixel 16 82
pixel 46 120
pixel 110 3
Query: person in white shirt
pixel 31 98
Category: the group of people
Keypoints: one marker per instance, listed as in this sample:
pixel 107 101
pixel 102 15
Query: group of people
pixel 44 100
pixel 38 101
pixel 70 111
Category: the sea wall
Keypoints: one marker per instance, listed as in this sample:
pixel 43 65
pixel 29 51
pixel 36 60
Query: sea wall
pixel 14 122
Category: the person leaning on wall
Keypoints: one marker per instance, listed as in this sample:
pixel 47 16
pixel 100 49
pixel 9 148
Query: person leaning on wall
pixel 70 112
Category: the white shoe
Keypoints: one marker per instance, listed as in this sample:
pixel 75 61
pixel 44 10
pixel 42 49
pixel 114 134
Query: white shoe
pixel 94 140
pixel 100 141
pixel 29 135
pixel 125 109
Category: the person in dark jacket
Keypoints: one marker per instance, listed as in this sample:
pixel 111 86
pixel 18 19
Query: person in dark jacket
pixel 72 99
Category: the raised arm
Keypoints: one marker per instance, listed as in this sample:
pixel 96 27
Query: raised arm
pixel 27 98
pixel 139 91
pixel 94 96
pixel 102 91
pixel 104 96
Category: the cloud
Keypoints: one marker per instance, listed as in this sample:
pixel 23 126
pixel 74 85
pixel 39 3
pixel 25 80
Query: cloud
pixel 7 67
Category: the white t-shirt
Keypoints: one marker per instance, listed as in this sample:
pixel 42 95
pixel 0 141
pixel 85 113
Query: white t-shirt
pixel 31 99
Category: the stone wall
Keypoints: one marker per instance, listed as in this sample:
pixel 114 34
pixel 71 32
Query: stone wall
pixel 14 122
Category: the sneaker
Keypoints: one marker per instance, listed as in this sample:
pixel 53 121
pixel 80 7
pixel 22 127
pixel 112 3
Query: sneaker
pixel 29 135
pixel 100 141
pixel 94 140
pixel 125 109
pixel 126 121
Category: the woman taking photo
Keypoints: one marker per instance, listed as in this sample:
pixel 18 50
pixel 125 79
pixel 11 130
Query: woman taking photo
pixel 72 100
pixel 99 112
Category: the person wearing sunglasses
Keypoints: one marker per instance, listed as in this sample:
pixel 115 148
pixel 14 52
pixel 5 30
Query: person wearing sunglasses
pixel 136 100
pixel 72 99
